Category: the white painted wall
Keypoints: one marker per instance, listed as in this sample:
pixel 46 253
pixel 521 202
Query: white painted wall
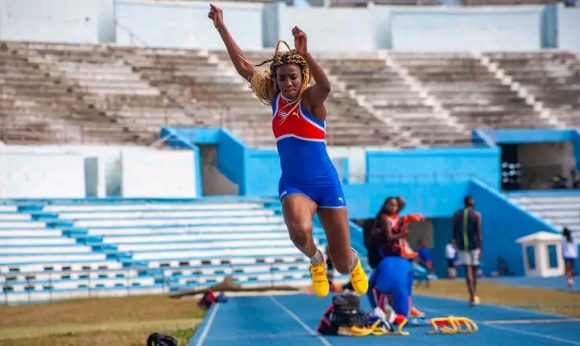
pixel 542 258
pixel 184 24
pixel 462 29
pixel 86 21
pixel 568 28
pixel 329 29
pixel 33 175
pixel 356 156
pixel 156 173
pixel 107 171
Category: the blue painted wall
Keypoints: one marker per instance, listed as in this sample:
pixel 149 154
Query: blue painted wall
pixel 231 155
pixel 255 171
pixel 442 232
pixel 430 199
pixel 575 138
pixel 527 136
pixel 549 26
pixel 503 223
pixel 421 176
pixel 423 172
pixel 435 165
pixel 262 173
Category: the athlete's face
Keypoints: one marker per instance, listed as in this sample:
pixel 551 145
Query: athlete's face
pixel 392 206
pixel 289 79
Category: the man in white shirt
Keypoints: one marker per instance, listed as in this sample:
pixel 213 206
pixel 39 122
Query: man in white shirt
pixel 451 256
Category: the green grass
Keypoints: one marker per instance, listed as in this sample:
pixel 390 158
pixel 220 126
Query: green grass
pixel 102 321
pixel 540 299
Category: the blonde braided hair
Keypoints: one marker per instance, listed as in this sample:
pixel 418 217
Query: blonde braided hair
pixel 263 83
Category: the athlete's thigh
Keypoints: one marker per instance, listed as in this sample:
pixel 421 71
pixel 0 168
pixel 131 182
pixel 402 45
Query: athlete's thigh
pixel 335 224
pixel 298 210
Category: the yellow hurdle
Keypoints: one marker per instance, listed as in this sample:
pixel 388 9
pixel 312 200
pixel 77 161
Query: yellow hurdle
pixel 465 325
pixel 442 325
pixel 379 331
pixel 453 325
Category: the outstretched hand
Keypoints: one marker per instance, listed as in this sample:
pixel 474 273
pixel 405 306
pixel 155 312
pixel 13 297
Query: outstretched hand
pixel 300 41
pixel 217 16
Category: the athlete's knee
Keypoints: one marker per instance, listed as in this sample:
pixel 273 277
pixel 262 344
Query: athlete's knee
pixel 469 274
pixel 300 233
pixel 343 264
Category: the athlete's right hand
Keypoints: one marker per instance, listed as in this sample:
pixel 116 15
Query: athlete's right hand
pixel 217 16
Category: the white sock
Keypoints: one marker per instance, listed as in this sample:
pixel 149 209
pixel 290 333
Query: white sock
pixel 355 261
pixel 317 257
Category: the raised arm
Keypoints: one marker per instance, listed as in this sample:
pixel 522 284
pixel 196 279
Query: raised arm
pixel 319 91
pixel 242 65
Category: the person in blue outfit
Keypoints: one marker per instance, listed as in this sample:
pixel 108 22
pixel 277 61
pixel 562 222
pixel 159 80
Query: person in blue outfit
pixel 392 278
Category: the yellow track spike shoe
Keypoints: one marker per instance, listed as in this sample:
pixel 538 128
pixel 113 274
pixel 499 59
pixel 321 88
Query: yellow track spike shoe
pixel 320 285
pixel 359 280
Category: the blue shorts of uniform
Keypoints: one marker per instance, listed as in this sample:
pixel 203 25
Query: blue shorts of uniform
pixel 327 195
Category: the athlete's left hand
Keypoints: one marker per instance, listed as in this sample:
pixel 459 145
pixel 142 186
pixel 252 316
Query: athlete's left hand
pixel 300 41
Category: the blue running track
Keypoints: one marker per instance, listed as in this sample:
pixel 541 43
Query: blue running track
pixel 281 320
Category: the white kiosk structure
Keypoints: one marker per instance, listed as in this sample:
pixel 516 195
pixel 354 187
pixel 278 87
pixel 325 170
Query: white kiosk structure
pixel 542 254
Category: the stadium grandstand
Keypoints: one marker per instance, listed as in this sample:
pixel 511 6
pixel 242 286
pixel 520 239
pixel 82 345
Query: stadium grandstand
pixel 134 160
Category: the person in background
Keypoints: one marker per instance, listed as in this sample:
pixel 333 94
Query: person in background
pixel 467 236
pixel 570 252
pixel 451 256
pixel 425 259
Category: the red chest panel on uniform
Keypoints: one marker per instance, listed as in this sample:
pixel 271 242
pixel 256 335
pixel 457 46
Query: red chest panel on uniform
pixel 296 123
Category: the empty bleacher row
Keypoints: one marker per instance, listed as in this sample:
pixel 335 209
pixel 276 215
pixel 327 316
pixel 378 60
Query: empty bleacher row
pixel 52 250
pixel 64 93
pixel 37 107
pixel 472 95
pixel 393 99
pixel 553 78
pixel 560 209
